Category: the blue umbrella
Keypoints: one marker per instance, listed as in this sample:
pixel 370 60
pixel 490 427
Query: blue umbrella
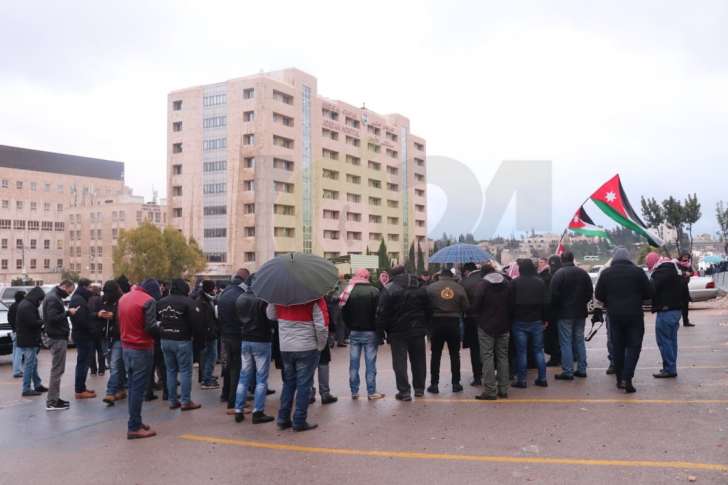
pixel 461 253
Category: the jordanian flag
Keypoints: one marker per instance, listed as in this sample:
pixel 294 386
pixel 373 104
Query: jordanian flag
pixel 612 200
pixel 583 225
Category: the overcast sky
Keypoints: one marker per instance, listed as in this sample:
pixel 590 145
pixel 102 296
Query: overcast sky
pixel 639 88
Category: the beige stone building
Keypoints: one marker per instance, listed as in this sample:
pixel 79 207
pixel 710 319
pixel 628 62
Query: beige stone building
pixel 263 165
pixel 93 229
pixel 37 192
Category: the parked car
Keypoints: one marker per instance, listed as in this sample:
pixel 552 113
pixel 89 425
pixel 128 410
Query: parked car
pixel 6 340
pixel 7 297
pixel 702 288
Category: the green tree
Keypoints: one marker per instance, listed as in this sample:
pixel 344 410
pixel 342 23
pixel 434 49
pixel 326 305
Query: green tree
pixel 409 264
pixel 692 213
pixel 185 257
pixel 420 259
pixel 654 214
pixel 721 214
pixel 385 264
pixel 67 274
pixel 675 218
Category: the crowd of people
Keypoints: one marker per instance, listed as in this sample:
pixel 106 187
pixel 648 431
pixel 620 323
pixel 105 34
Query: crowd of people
pixel 152 334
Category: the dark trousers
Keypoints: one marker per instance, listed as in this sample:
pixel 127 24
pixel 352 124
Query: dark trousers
pixel 445 330
pixel 160 368
pixel 626 335
pixel 685 312
pixel 231 364
pixel 414 347
pixel 84 349
pixel 97 362
pixel 471 339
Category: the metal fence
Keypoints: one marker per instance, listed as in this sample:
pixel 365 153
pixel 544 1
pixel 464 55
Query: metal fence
pixel 721 280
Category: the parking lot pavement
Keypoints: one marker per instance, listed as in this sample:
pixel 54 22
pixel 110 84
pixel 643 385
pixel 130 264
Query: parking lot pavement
pixel 585 431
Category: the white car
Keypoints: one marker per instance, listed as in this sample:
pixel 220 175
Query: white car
pixel 6 339
pixel 702 288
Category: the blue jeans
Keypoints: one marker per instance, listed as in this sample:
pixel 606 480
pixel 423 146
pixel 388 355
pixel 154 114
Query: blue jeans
pixel 17 356
pixel 138 364
pixel 521 332
pixel 30 370
pixel 666 327
pixel 298 370
pixel 209 357
pixel 255 358
pixel 178 359
pixel 369 343
pixel 85 347
pixel 117 378
pixel 571 336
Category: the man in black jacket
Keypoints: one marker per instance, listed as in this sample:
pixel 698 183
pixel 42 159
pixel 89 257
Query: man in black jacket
pixel 471 279
pixel 84 336
pixel 667 303
pixel 55 319
pixel 571 290
pixel 209 332
pixel 29 326
pixel 622 288
pixel 17 355
pixel 402 317
pixel 256 334
pixel 231 336
pixel 178 322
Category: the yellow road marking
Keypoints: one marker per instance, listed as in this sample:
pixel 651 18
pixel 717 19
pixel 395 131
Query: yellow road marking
pixel 457 457
pixel 578 401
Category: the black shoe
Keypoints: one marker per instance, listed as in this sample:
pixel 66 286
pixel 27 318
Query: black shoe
pixel 486 397
pixel 503 395
pixel 285 425
pixel 664 375
pixel 553 363
pixel 63 403
pixel 239 417
pixel 403 397
pixel 41 389
pixel 55 406
pixel 31 393
pixel 519 385
pixel 611 370
pixel 688 324
pixel 93 372
pixel 328 398
pixel 433 389
pixel 541 383
pixel 259 418
pixel 419 392
pixel 150 397
pixel 312 399
pixel 476 382
pixel 268 392
pixel 457 388
pixel 620 384
pixel 563 377
pixel 580 374
pixel 628 387
pixel 342 344
pixel 306 427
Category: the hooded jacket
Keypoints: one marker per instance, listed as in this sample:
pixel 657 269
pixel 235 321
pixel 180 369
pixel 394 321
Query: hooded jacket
pixel 27 319
pixel 404 308
pixel 623 287
pixel 209 324
pixel 230 324
pixel 55 316
pixel 529 295
pixel 447 298
pixel 360 310
pixel 251 310
pixel 13 310
pixel 107 329
pixel 84 325
pixel 302 327
pixel 670 289
pixel 571 290
pixel 492 305
pixel 177 313
pixel 138 317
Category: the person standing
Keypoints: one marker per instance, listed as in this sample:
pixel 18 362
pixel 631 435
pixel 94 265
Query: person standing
pixel 686 272
pixel 448 301
pixel 358 303
pixel 137 323
pixel 571 291
pixel 105 312
pixel 209 332
pixel 29 325
pixel 529 307
pixel 97 361
pixel 57 328
pixel 402 318
pixel 667 303
pixel 84 336
pixel 178 322
pixel 17 355
pixel 622 288
pixel 471 279
pixel 231 337
pixel 323 369
pixel 255 351
pixel 551 346
pixel 493 312
pixel 303 331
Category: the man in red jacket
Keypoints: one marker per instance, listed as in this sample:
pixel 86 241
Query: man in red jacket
pixel 137 321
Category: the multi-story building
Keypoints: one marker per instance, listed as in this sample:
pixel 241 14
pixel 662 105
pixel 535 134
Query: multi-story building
pixel 263 165
pixel 37 190
pixel 93 229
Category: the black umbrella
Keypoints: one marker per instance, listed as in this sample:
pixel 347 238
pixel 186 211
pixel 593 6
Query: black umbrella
pixel 294 278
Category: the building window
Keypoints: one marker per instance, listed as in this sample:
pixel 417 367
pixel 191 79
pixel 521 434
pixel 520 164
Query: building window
pixel 284 210
pixel 249 208
pixel 59 244
pixel 248 116
pixel 34 225
pixel 353 198
pixel 393 237
pixel 210 210
pixel 334 135
pixel 281 141
pixel 18 224
pixel 19 205
pixel 177 212
pixel 391 136
pixel 248 93
pixel 419 192
pixel 249 257
pixel 393 204
pixel 392 187
pixel 216 166
pixel 329 154
pixel 353 179
pixel 375 219
pixel 33 186
pixel 59 263
pixel 330 174
pixel 218 188
pixel 177 126
pixel 46 263
pixel 420 147
pixel 373 147
pixel 392 170
pixel 4 243
pixel 177 148
pixel 353 236
pixel 393 220
pixel 216 257
pixel 249 231
pixel 282 97
pixel 328 234
pixel 351 122
pixel 18 264
pixel 177 191
pixel 332 115
pixel 213 100
pixel 331 194
pixel 176 170
pixel 4 223
pixel 392 153
pixel 375 201
pixel 282 119
pixel 215 232
pixel 214 122
pixel 374 165
pixel 419 223
pixel 214 144
pixel 283 164
pixel 18 244
pixel 353 217
pixel 330 214
pixel 6 204
pixel 284 231
pixel 248 185
pixel 114 233
pixel 249 162
pixel 5 183
pixel 374 130
pixel 19 185
pixel 283 187
pixel 177 105
pixel 353 141
pixel 419 162
pixel 249 139
pixel 375 184
pixel 375 236
pixel 419 208
pixel 4 264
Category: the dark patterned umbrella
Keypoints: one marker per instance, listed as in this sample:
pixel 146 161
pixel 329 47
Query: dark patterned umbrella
pixel 294 278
